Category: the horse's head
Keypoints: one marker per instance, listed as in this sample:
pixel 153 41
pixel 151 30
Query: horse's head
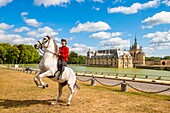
pixel 43 43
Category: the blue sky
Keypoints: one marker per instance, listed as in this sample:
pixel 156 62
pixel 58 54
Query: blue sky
pixel 95 24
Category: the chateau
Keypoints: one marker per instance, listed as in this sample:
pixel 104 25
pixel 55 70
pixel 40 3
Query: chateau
pixel 116 57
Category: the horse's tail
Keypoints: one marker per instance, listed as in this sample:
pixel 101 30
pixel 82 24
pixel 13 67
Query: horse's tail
pixel 76 85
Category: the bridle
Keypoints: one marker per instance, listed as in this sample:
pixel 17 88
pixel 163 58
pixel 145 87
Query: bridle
pixel 41 46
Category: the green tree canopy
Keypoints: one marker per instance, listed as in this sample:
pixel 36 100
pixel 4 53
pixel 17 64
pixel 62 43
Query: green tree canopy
pixel 28 54
pixel 166 58
pixel 74 58
pixel 81 59
pixel 2 54
pixel 157 58
pixel 18 53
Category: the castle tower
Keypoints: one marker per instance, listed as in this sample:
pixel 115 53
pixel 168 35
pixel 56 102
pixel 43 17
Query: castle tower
pixel 88 57
pixel 89 54
pixel 138 56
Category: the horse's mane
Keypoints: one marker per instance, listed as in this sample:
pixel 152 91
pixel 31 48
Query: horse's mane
pixel 56 46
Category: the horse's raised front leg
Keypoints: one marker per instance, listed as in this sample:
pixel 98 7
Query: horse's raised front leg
pixel 60 87
pixel 38 78
pixel 71 87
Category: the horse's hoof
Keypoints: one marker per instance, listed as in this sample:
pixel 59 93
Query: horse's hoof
pixel 68 104
pixel 46 85
pixel 53 103
pixel 40 86
pixel 43 87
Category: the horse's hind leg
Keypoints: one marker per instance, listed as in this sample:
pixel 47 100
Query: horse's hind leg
pixel 60 87
pixel 71 87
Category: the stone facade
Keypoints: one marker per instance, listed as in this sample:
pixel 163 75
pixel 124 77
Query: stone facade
pixel 159 62
pixel 116 57
pixel 110 58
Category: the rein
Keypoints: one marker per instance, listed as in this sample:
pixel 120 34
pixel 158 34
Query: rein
pixel 47 51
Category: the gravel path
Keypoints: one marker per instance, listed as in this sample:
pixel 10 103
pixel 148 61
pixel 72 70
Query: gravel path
pixel 141 86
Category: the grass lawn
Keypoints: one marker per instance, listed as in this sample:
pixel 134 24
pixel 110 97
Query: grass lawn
pixel 18 94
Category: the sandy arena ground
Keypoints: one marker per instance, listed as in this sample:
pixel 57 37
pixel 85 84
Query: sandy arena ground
pixel 19 94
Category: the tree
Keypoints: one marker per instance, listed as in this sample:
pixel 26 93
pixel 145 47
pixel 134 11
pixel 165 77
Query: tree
pixel 2 54
pixel 14 54
pixel 18 53
pixel 22 56
pixel 28 54
pixel 73 58
pixel 153 58
pixel 32 54
pixel 166 58
pixel 81 59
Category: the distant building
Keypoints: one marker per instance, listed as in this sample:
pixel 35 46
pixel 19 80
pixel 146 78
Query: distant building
pixel 110 58
pixel 138 57
pixel 116 57
pixel 159 62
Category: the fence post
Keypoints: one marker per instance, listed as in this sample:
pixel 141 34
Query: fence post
pixel 116 75
pixel 146 76
pixel 124 87
pixel 93 82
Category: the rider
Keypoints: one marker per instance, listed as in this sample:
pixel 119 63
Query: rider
pixel 63 57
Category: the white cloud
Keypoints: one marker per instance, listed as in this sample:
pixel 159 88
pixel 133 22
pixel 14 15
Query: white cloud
pixel 2 31
pixel 90 27
pixel 96 8
pixel 166 2
pixel 47 3
pixel 30 22
pixel 149 51
pixel 24 13
pixel 57 41
pixel 159 40
pixel 101 1
pixel 5 2
pixel 134 8
pixel 21 29
pixel 115 43
pixel 41 32
pixel 81 49
pixel 15 38
pixel 68 39
pixel 157 19
pixel 80 1
pixel 4 26
pixel 105 35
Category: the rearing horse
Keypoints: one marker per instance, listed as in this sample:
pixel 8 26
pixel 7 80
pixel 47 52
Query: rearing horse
pixel 48 68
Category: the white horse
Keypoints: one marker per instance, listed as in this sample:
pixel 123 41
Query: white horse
pixel 48 68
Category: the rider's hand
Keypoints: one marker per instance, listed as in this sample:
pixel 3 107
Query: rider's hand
pixel 58 55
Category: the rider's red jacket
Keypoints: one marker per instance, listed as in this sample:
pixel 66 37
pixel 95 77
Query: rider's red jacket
pixel 64 52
